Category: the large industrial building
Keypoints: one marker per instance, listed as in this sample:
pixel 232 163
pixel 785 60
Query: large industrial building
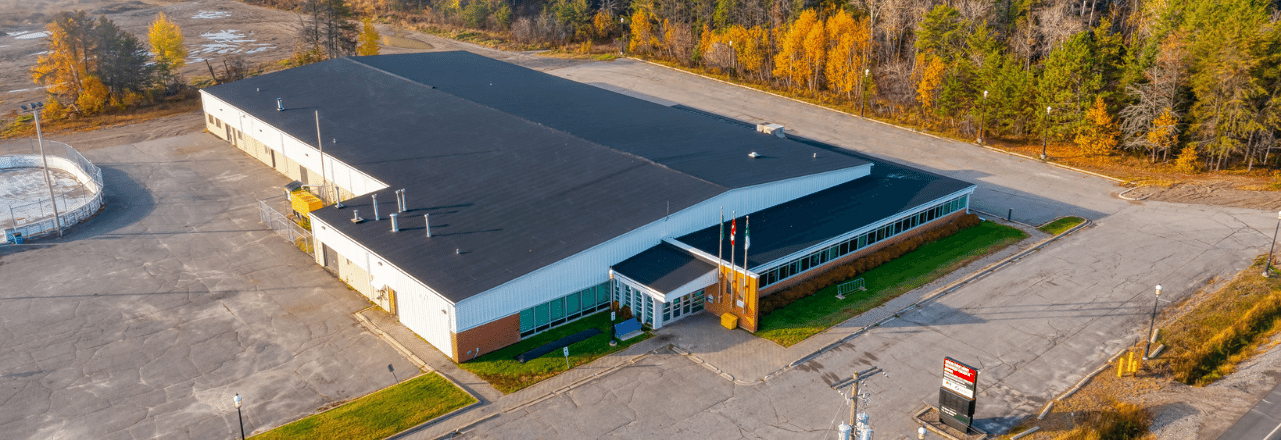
pixel 523 201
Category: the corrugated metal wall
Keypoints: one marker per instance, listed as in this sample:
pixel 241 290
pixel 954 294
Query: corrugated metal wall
pixel 300 153
pixel 591 267
pixel 422 310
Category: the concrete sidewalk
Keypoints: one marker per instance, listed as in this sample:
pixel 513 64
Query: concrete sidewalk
pixel 494 402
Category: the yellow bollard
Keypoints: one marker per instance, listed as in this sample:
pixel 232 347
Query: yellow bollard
pixel 1134 365
pixel 1120 367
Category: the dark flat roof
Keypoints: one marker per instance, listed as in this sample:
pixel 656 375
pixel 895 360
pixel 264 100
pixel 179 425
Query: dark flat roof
pixel 790 227
pixel 517 175
pixel 664 268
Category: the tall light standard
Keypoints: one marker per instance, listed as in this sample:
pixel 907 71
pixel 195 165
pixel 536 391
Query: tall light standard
pixel 1152 324
pixel 1268 267
pixel 34 108
pixel 983 119
pixel 238 417
pixel 862 92
pixel 1045 136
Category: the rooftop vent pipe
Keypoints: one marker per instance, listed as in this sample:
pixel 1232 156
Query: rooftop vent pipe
pixel 427 221
pixel 395 223
pixel 355 216
pixel 753 155
pixel 400 199
pixel 376 217
pixel 280 104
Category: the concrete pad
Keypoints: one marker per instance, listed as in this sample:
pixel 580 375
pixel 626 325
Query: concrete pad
pixel 147 319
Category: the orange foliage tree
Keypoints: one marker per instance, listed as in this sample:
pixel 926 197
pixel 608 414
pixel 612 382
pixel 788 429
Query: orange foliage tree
pixel 1098 135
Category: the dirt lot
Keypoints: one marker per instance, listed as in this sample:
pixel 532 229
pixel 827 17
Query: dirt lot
pixel 213 30
pixel 1222 193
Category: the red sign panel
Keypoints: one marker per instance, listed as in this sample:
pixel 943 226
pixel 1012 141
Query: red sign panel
pixel 959 372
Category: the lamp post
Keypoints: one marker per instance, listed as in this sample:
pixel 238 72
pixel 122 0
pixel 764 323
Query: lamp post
pixel 238 417
pixel 1268 267
pixel 1045 136
pixel 862 92
pixel 1152 324
pixel 35 108
pixel 983 119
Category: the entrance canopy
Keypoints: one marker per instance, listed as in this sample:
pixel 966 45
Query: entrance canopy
pixel 666 272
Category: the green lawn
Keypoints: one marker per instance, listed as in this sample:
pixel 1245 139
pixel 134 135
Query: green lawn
pixel 380 414
pixel 1059 226
pixel 815 313
pixel 503 371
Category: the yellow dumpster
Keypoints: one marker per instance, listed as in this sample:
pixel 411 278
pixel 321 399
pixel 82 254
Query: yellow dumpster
pixel 304 203
pixel 729 321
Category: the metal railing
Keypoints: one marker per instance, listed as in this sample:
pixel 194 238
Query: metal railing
pixel 35 217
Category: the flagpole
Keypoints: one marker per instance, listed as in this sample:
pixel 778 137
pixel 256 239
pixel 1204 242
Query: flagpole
pixel 747 243
pixel 720 261
pixel 733 231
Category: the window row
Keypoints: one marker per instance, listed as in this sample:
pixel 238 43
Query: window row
pixel 562 310
pixel 800 265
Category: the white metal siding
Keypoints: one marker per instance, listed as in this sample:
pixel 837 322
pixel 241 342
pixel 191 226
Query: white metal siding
pixel 422 310
pixel 591 267
pixel 303 153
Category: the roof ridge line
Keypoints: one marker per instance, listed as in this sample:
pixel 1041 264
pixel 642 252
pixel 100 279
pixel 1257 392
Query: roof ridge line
pixel 575 136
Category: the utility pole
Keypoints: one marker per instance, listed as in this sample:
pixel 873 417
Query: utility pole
pixel 859 429
pixel 35 108
pixel 1268 266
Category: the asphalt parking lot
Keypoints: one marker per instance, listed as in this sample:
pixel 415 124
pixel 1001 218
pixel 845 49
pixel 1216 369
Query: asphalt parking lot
pixel 144 321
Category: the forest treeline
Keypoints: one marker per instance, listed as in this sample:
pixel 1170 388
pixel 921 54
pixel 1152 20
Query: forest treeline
pixel 1194 84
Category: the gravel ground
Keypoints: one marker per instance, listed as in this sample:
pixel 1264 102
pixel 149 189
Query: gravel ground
pixel 1210 193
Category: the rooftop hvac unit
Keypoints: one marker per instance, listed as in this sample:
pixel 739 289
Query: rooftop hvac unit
pixel 774 129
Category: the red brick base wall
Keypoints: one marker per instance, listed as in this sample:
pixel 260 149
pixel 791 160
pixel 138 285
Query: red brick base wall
pixel 486 338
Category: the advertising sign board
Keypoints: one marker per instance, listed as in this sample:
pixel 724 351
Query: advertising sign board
pixel 956 395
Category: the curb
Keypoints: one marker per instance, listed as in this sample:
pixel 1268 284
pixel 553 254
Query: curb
pixel 580 382
pixel 1122 195
pixel 924 299
pixel 373 328
pixel 1024 156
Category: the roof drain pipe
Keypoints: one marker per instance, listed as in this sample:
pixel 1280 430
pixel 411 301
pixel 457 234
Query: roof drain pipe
pixel 400 199
pixel 395 223
pixel 427 221
pixel 376 217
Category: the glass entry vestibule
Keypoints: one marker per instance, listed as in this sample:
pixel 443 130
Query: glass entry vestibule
pixel 651 309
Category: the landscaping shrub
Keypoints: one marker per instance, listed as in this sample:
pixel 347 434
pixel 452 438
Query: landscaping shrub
pixel 849 270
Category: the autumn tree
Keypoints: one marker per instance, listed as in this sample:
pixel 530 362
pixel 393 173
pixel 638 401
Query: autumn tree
pixel 91 64
pixel 798 51
pixel 1098 134
pixel 847 57
pixel 368 39
pixel 167 47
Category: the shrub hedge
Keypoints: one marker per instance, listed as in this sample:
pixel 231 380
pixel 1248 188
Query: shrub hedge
pixel 849 270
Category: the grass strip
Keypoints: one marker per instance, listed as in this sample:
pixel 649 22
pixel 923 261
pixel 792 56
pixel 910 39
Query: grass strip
pixel 815 313
pixel 501 369
pixel 1061 225
pixel 380 414
pixel 1209 341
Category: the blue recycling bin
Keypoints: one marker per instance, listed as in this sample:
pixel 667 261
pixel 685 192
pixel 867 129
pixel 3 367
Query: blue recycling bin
pixel 17 237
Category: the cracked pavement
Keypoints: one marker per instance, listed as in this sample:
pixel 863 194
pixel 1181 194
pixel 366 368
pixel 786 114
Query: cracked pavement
pixel 144 321
pixel 1033 328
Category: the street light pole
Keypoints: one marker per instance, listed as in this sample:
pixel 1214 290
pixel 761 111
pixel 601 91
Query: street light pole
pixel 983 119
pixel 1152 324
pixel 1045 137
pixel 1268 266
pixel 35 108
pixel 238 416
pixel 862 92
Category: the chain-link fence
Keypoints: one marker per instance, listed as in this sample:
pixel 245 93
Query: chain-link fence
pixel 27 206
pixel 286 227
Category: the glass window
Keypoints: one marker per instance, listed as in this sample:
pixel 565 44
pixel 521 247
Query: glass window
pixel 571 303
pixel 541 314
pixel 698 301
pixel 667 312
pixel 527 320
pixel 805 265
pixel 862 241
pixel 558 309
pixel 603 294
pixel 845 248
